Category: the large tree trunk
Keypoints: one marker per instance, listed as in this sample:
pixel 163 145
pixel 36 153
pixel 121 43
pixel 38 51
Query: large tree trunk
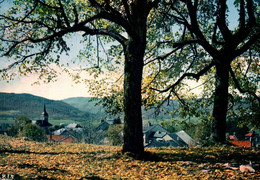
pixel 133 71
pixel 133 134
pixel 220 103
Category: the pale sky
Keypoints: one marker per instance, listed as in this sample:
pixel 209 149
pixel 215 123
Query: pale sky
pixel 61 89
pixel 64 87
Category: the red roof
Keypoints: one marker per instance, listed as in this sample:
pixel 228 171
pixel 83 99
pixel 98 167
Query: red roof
pixel 248 134
pixel 241 143
pixel 61 138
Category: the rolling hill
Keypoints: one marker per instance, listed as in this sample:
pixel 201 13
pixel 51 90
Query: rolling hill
pixel 75 108
pixel 12 105
pixel 84 104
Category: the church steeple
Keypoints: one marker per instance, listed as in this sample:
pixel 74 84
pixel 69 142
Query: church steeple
pixel 45 114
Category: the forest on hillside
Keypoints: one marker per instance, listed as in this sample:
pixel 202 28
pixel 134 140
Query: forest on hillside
pixel 31 106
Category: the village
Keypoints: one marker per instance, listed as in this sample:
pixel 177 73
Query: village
pixel 110 132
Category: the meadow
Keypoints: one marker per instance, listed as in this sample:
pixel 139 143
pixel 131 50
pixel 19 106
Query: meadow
pixel 23 159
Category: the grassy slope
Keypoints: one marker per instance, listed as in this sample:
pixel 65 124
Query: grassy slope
pixel 12 105
pixel 28 159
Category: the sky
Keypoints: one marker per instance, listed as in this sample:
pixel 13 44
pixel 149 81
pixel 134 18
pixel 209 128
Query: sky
pixel 64 87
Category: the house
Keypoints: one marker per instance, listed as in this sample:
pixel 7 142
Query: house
pixel 101 136
pixel 251 139
pixel 103 126
pixel 61 138
pixel 157 136
pixel 150 130
pixel 159 139
pixel 183 139
pixel 73 127
pixel 59 131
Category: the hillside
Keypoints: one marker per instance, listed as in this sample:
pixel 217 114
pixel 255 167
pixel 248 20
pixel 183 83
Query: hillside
pixel 84 104
pixel 24 159
pixel 12 105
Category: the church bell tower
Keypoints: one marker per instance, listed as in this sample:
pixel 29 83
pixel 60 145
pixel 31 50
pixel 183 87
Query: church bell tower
pixel 45 114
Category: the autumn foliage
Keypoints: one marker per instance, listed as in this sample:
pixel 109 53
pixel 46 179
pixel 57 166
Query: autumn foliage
pixel 28 159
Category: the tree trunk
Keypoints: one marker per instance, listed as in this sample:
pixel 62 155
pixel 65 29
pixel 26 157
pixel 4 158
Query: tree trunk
pixel 220 103
pixel 133 72
pixel 133 133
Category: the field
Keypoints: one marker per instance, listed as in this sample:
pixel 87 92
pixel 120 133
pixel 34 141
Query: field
pixel 24 159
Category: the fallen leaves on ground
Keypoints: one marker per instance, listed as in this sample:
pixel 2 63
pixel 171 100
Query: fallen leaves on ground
pixel 29 159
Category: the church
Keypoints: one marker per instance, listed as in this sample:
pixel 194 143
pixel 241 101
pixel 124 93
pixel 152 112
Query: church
pixel 44 123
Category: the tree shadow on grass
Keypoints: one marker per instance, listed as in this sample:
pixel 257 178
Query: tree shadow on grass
pixel 11 151
pixel 199 155
pixel 93 177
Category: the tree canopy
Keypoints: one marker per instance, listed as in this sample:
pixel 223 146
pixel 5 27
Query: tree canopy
pixel 159 44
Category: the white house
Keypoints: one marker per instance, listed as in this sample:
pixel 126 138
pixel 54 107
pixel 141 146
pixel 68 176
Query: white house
pixel 157 136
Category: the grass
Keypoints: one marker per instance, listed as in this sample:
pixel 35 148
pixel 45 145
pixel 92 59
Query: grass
pixel 58 122
pixel 33 160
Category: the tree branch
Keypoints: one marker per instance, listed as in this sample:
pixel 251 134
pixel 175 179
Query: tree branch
pixel 196 30
pixel 48 6
pixel 250 12
pixel 76 21
pixel 214 39
pixel 177 46
pixel 242 14
pixel 121 39
pixel 196 76
pixel 221 20
pixel 239 87
pixel 248 44
pixel 64 14
pixel 42 53
pixel 127 10
pixel 30 12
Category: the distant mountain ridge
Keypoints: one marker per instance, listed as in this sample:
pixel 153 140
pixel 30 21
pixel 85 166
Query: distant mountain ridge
pixel 12 104
pixel 84 104
pixel 74 108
